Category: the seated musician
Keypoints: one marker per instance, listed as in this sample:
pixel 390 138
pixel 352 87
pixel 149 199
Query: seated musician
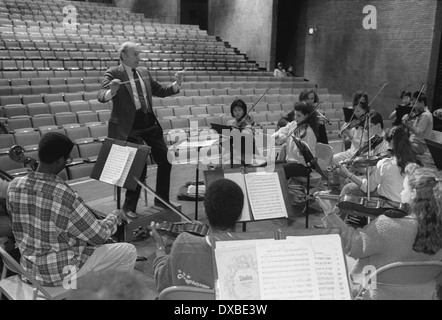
pixel 387 177
pixel 360 99
pixel 416 237
pixel 56 233
pixel 242 124
pixel 352 132
pixel 311 96
pixel 241 120
pixel 360 137
pixel 420 124
pixel 190 261
pixel 406 102
pixel 294 161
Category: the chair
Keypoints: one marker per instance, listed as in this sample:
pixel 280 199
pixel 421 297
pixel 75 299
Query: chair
pixel 324 155
pixel 404 281
pixel 14 288
pixel 186 293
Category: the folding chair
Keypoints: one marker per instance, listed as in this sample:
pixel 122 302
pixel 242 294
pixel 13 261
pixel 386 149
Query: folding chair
pixel 404 281
pixel 187 293
pixel 14 288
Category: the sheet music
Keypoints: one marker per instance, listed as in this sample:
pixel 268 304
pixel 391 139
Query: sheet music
pixel 329 264
pixel 238 178
pixel 118 165
pixel 237 269
pixel 285 271
pixel 236 243
pixel 265 196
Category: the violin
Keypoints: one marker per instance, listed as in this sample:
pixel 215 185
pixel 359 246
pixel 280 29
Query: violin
pixel 357 161
pixel 170 228
pixel 373 208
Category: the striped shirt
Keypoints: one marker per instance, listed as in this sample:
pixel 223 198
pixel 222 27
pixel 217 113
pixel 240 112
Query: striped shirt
pixel 52 226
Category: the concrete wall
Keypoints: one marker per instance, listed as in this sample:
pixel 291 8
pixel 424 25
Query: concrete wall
pixel 343 57
pixel 167 11
pixel 247 25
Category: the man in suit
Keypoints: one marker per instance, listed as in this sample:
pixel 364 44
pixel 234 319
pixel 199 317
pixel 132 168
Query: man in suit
pixel 131 89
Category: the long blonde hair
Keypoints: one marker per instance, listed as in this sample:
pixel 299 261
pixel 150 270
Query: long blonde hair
pixel 427 207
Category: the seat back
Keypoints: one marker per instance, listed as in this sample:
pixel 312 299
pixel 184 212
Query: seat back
pixel 186 293
pixel 404 281
pixel 324 153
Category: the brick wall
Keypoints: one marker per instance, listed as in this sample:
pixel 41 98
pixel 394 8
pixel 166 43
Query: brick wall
pixel 343 57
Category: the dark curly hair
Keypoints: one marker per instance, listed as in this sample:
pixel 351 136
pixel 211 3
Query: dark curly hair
pixel 53 146
pixel 358 95
pixel 308 109
pixel 223 201
pixel 303 96
pixel 427 207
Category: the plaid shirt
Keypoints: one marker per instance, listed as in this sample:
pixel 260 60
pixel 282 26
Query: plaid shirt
pixel 53 227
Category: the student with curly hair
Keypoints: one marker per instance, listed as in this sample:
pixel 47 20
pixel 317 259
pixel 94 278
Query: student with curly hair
pixel 416 237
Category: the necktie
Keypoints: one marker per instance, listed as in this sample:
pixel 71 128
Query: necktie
pixel 140 92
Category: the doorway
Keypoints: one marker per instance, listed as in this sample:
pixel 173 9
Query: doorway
pixel 195 12
pixel 290 35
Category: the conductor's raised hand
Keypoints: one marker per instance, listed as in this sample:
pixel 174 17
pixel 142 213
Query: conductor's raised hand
pixel 180 76
pixel 114 85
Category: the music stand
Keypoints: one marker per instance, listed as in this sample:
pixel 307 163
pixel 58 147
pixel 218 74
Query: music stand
pixel 401 111
pixel 198 145
pixel 348 114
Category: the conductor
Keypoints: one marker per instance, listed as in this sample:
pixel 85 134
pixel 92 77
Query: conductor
pixel 131 88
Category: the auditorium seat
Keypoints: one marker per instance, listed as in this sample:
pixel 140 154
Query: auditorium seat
pixel 181 111
pixel 51 128
pixel 179 123
pixel 27 139
pixel 42 120
pixel 85 117
pixel 12 110
pixel 52 97
pixel 40 89
pixel 58 107
pixel 37 108
pixel 60 88
pixel 32 98
pixel 88 149
pixel 104 115
pixel 65 118
pixel 75 133
pixel 19 122
pixel 99 131
pixel 78 105
pixel 164 112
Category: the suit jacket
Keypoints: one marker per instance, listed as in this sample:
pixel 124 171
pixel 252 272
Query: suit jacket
pixel 123 110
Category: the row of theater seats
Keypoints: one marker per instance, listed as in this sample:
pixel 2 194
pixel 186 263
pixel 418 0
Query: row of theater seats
pixel 103 64
pixel 45 42
pixel 22 93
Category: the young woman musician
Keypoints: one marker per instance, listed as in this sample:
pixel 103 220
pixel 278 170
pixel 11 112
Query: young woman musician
pixel 416 237
pixel 406 102
pixel 386 179
pixel 420 124
pixel 311 97
pixel 304 128
pixel 359 107
pixel 241 120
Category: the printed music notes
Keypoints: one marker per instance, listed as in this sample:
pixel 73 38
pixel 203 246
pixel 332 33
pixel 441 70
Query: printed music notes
pixel 298 268
pixel 118 164
pixel 264 194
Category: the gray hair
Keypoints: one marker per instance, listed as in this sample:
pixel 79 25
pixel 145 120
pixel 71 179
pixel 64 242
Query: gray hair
pixel 125 46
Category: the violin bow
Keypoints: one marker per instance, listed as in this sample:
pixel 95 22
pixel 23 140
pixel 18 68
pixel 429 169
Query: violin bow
pixel 313 112
pixel 167 204
pixel 253 107
pixel 423 88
